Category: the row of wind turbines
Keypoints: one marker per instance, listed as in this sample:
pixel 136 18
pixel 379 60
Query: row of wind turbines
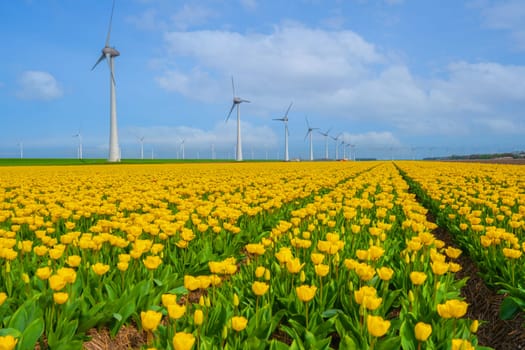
pixel 109 53
pixel 237 102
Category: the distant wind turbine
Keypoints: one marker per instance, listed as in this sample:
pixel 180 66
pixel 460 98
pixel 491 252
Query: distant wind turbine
pixel 141 140
pixel 336 145
pixel 325 134
pixel 236 102
pixel 344 149
pixel 79 150
pixel 182 147
pixel 21 146
pixel 286 133
pixel 109 53
pixel 309 133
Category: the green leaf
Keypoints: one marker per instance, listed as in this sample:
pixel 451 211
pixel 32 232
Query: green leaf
pixel 388 343
pixel 117 316
pixel 347 343
pixel 508 308
pixel 278 345
pixel 31 335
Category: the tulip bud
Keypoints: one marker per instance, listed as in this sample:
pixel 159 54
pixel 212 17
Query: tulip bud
pixel 302 277
pixel 235 300
pixel 198 317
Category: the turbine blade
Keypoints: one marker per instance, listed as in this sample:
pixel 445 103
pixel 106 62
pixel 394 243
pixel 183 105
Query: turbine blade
pixel 308 124
pixel 98 61
pixel 231 110
pixel 245 101
pixel 288 110
pixel 307 133
pixel 109 27
pixel 233 87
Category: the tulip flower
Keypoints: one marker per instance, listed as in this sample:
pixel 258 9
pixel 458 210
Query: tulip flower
pixel 377 326
pixel 422 331
pixel 239 323
pixel 183 341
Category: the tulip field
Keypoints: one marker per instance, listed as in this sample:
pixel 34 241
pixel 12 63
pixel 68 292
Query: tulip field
pixel 311 255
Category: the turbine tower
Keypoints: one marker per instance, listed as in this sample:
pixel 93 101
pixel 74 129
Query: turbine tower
pixel 79 150
pixel 336 145
pixel 325 134
pixel 309 133
pixel 141 140
pixel 109 53
pixel 286 133
pixel 236 102
pixel 182 147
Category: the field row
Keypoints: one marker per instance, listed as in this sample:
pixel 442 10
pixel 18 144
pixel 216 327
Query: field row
pixel 483 206
pixel 226 256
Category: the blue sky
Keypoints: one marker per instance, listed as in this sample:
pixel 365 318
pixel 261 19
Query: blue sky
pixel 398 78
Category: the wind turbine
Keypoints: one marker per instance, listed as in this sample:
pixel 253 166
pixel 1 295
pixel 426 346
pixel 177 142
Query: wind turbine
pixel 286 133
pixel 309 133
pixel 79 151
pixel 182 147
pixel 21 146
pixel 344 149
pixel 236 102
pixel 141 140
pixel 325 134
pixel 109 53
pixel 336 144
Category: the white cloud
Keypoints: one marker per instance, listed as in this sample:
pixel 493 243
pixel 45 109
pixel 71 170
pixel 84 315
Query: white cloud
pixel 346 77
pixel 506 15
pixel 372 139
pixel 249 4
pixel 191 15
pixel 38 85
pixel 148 20
pixel 222 135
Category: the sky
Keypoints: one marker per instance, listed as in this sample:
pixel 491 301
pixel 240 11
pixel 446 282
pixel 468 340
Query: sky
pixel 393 78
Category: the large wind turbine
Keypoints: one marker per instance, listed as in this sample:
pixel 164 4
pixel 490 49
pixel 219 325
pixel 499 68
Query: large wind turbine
pixel 336 144
pixel 309 133
pixel 285 120
pixel 236 102
pixel 79 151
pixel 325 134
pixel 109 53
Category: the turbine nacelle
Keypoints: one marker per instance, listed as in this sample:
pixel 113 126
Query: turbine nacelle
pixel 110 51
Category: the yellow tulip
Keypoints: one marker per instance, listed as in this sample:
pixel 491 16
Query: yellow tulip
pixel 8 342
pixel 198 317
pixel 68 274
pixel 100 268
pixel 377 326
pixel 73 260
pixel 183 341
pixel 239 323
pixel 152 262
pixel 422 331
pixel 418 278
pixel 305 292
pixel 43 272
pixel 317 258
pixel 3 298
pixel 474 326
pixel 60 298
pixel 321 270
pixel 191 283
pixel 57 282
pixel 260 288
pixel 176 311
pixel 385 273
pixel 150 320
pixel 461 344
pixel 168 299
